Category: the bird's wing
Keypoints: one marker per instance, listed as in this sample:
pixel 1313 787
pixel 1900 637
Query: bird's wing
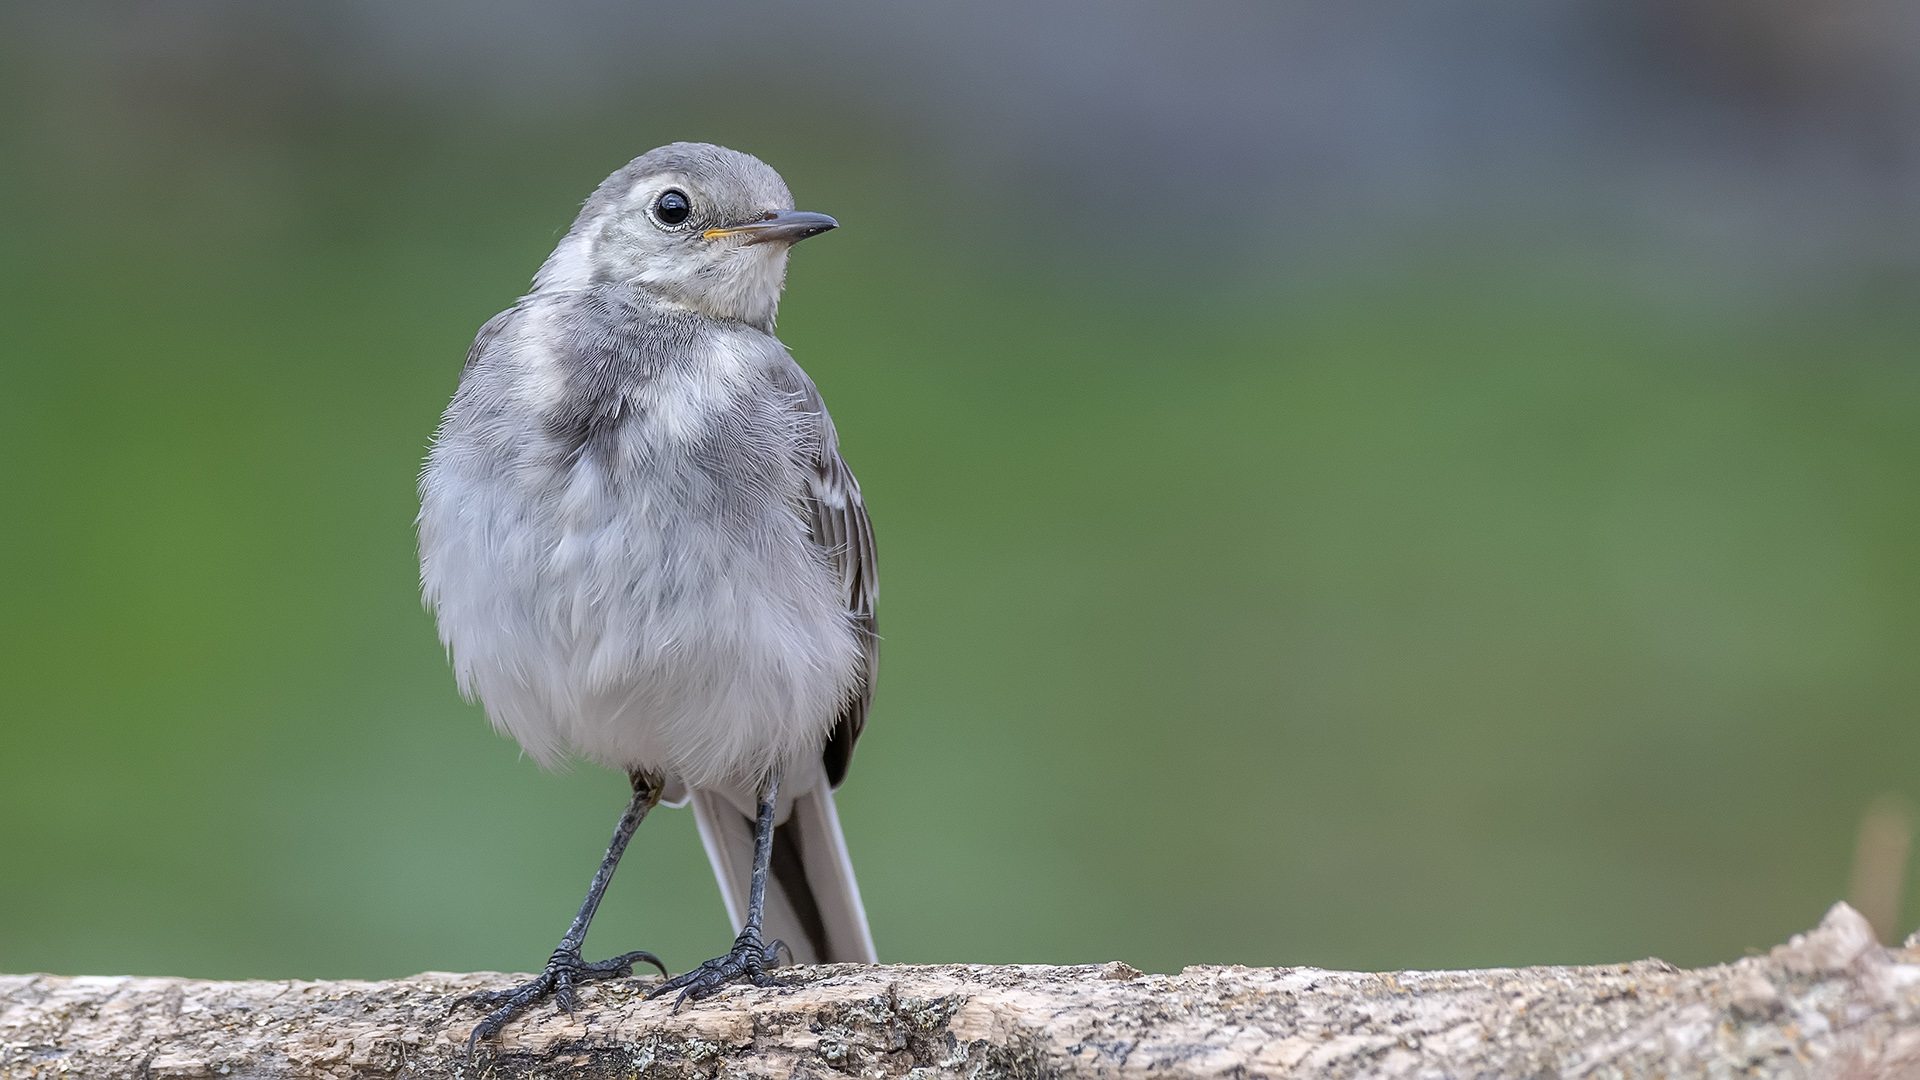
pixel 838 519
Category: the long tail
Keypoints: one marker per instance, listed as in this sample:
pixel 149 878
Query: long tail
pixel 813 901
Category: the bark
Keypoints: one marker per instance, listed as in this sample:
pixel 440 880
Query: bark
pixel 1829 1003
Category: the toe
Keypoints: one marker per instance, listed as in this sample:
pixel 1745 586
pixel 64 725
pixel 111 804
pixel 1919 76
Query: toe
pixel 672 984
pixel 623 964
pixel 484 1030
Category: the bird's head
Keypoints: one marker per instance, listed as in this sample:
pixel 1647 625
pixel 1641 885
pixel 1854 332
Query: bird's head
pixel 698 225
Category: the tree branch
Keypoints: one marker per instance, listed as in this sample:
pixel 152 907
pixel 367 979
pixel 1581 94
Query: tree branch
pixel 1830 1002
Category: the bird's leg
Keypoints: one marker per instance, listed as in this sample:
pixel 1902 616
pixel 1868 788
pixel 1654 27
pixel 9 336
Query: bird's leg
pixel 565 969
pixel 749 958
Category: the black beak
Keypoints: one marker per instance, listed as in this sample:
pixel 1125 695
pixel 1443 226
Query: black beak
pixel 778 226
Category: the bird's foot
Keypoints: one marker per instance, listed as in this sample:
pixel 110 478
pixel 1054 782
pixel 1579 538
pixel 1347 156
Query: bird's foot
pixel 748 961
pixel 565 970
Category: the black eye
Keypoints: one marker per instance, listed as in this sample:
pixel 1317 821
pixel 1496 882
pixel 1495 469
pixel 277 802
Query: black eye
pixel 672 207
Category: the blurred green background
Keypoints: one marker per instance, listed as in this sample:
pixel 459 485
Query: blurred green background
pixel 1352 561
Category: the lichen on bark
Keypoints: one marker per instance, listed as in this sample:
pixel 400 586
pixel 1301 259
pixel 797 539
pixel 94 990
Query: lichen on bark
pixel 1829 1003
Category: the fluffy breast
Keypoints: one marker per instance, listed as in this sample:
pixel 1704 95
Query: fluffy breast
pixel 611 539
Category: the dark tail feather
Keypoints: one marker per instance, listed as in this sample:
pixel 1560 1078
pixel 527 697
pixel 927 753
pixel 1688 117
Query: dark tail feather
pixel 791 874
pixel 813 901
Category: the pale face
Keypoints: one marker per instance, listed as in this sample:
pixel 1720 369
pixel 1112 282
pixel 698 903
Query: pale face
pixel 697 225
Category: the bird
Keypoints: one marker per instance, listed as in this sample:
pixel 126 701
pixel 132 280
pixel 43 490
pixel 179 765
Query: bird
pixel 643 549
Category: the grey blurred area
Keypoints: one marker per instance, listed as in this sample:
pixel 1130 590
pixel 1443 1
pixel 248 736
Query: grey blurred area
pixel 1769 135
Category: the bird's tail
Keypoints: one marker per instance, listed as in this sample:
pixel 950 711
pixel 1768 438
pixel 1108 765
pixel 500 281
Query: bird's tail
pixel 813 902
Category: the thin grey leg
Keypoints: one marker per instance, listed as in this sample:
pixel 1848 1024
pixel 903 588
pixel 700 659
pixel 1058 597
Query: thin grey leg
pixel 565 969
pixel 750 958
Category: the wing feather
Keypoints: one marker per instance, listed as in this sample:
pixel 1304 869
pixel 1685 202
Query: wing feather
pixel 837 516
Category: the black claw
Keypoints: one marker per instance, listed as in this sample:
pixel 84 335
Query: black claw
pixel 485 1029
pixel 622 966
pixel 748 961
pixel 564 971
pixel 481 997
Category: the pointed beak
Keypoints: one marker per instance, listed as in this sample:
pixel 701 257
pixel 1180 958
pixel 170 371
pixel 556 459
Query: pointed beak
pixel 777 227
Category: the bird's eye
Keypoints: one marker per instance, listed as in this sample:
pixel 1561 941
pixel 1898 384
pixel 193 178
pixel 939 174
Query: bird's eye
pixel 672 207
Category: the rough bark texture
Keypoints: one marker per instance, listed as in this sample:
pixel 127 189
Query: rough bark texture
pixel 1829 1003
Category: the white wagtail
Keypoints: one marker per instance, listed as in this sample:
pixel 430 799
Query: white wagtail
pixel 644 549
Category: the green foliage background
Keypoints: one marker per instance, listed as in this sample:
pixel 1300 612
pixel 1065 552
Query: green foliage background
pixel 1482 601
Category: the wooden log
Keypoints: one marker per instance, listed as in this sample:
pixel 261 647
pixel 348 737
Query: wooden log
pixel 1829 1003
